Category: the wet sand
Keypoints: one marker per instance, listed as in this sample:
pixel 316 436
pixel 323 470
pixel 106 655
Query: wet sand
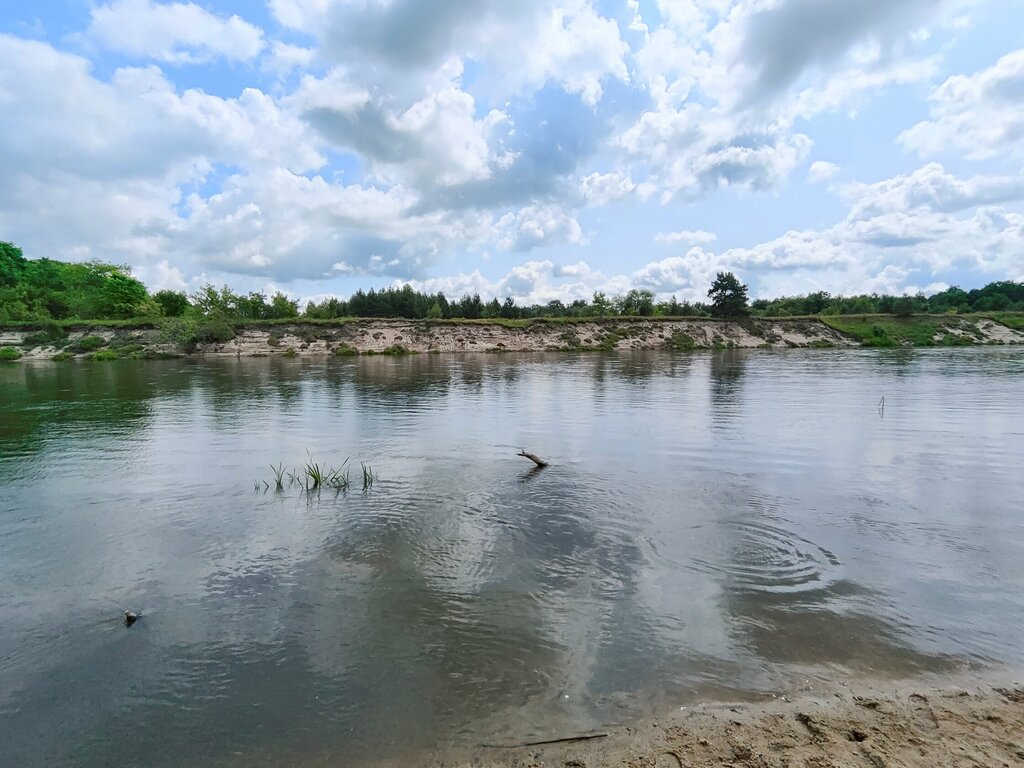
pixel 871 725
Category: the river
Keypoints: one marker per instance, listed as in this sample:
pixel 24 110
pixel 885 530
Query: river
pixel 711 525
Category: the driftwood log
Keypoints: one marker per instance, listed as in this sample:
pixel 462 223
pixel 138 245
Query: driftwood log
pixel 532 457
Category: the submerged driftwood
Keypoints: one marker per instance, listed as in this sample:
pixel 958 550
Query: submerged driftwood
pixel 532 457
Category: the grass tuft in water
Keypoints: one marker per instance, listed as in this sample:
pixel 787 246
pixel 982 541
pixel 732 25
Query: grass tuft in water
pixel 368 476
pixel 313 476
pixel 278 476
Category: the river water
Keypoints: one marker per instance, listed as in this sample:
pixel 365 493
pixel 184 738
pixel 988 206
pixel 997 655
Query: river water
pixel 712 524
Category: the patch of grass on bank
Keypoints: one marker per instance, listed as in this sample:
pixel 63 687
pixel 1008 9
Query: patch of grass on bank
pixel 397 350
pixel 1014 320
pixel 889 331
pixel 88 344
pixel 681 342
pixel 9 354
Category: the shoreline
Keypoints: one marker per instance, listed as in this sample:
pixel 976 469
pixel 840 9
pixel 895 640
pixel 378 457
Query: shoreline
pixel 399 337
pixel 973 719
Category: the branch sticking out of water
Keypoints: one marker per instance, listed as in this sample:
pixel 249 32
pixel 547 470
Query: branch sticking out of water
pixel 532 457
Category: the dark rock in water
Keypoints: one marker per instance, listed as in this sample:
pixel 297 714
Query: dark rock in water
pixel 130 618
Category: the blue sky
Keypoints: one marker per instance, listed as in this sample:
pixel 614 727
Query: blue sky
pixel 536 149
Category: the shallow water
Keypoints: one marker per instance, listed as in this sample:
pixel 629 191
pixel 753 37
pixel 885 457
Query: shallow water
pixel 711 524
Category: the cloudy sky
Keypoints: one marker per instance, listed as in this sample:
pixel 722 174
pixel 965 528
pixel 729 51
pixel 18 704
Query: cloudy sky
pixel 538 148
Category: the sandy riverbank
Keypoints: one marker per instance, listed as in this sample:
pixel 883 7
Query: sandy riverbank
pixel 969 723
pixel 417 336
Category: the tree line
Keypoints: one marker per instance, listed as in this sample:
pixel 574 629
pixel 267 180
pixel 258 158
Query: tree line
pixel 44 290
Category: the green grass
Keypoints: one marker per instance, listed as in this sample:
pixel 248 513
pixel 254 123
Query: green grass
pixel 396 350
pixel 368 476
pixel 681 342
pixel 9 354
pixel 889 331
pixel 313 476
pixel 1014 320
pixel 344 350
pixel 105 354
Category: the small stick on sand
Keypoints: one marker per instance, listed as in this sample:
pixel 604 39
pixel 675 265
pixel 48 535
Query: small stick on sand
pixel 532 457
pixel 547 742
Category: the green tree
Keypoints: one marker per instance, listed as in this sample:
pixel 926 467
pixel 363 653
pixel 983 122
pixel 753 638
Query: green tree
pixel 728 296
pixel 282 308
pixel 637 303
pixel 600 304
pixel 171 303
pixel 903 306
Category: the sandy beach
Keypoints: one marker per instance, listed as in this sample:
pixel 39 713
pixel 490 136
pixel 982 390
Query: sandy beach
pixel 884 725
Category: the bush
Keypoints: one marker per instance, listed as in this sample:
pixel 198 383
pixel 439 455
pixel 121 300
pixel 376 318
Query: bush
pixel 344 350
pixel 89 343
pixel 61 357
pixel 105 354
pixel 682 342
pixel 180 331
pixel 214 330
pixel 9 354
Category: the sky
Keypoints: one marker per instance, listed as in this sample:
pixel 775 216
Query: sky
pixel 537 149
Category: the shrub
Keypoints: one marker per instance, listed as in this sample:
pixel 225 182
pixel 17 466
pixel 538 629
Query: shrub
pixel 104 354
pixel 397 350
pixel 61 357
pixel 344 350
pixel 89 343
pixel 180 331
pixel 9 354
pixel 214 330
pixel 682 342
pixel 290 352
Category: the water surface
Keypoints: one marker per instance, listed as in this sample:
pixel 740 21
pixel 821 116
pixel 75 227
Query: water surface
pixel 712 524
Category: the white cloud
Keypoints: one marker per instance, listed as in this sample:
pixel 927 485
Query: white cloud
pixel 520 46
pixel 981 114
pixel 537 225
pixel 931 188
pixel 572 45
pixel 603 188
pixel 696 151
pixel 533 282
pixel 821 170
pixel 176 33
pixel 686 237
pixel 285 58
pixel 435 141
